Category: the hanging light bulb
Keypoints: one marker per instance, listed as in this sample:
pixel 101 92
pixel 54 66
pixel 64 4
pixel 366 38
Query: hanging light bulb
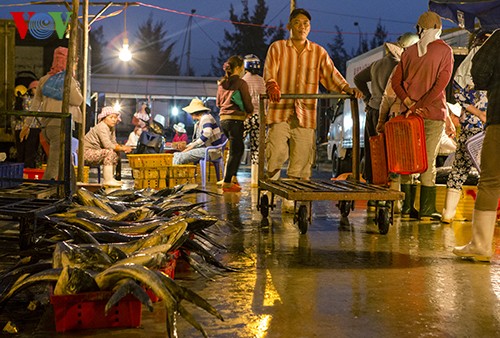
pixel 117 106
pixel 125 54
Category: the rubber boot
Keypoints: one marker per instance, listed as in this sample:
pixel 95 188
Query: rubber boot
pixel 109 180
pixel 428 210
pixel 408 210
pixel 396 185
pixel 483 229
pixel 450 205
pixel 254 178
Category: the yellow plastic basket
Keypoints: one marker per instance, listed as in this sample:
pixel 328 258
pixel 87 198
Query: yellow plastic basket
pixel 138 161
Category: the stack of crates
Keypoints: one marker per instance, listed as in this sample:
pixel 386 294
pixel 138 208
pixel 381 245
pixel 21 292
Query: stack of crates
pixel 10 170
pixel 157 172
pixel 180 174
pixel 150 170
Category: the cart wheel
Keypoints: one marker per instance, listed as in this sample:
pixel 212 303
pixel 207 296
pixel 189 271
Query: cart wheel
pixel 383 220
pixel 302 219
pixel 264 205
pixel 345 207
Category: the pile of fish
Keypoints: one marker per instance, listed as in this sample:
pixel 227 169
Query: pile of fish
pixel 120 241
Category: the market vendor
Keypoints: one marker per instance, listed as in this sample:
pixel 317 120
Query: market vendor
pixel 101 146
pixel 208 133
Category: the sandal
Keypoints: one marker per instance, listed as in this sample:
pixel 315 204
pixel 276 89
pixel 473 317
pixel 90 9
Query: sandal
pixel 231 188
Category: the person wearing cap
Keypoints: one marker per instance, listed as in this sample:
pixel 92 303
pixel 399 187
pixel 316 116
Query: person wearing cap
pixel 51 127
pixel 377 74
pixel 389 108
pixel 296 66
pixel 419 81
pixel 256 86
pixel 485 73
pixel 101 147
pixel 473 104
pixel 207 133
pixel 180 133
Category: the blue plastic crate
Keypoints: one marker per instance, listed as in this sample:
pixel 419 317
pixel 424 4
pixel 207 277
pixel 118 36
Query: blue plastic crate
pixel 10 170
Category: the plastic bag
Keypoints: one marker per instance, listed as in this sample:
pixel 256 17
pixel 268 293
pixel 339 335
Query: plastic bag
pixel 236 98
pixel 54 86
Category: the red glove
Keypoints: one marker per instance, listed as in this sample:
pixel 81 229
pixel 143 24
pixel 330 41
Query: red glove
pixel 274 93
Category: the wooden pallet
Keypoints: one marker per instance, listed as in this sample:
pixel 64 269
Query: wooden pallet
pixel 30 190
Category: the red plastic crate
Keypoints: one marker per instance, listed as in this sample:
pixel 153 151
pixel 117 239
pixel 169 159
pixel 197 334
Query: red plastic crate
pixel 169 270
pixel 380 175
pixel 33 174
pixel 86 311
pixel 405 144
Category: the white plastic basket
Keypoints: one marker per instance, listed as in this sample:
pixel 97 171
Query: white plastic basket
pixel 474 146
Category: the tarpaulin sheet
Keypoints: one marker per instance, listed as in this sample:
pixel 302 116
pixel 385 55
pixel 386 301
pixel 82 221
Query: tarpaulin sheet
pixel 465 12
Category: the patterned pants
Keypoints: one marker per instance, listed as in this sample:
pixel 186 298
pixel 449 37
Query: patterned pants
pixel 462 163
pixel 98 156
pixel 252 129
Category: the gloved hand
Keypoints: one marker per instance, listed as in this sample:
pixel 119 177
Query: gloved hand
pixel 274 92
pixel 380 127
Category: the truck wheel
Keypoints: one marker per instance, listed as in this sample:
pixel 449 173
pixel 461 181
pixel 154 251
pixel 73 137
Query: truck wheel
pixel 336 163
pixel 340 166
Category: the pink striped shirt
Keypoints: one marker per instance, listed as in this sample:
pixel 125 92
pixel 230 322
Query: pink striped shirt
pixel 299 73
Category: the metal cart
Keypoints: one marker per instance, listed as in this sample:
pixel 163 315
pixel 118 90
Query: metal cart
pixel 304 192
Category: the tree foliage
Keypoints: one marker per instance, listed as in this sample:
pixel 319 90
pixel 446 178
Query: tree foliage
pixel 97 44
pixel 379 37
pixel 152 50
pixel 337 51
pixel 247 39
pixel 339 54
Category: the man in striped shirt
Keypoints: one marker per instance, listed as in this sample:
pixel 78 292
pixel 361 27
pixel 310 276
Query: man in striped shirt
pixel 296 66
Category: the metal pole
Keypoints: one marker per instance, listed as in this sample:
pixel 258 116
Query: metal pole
pixel 64 156
pixel 81 131
pixel 355 138
pixel 292 5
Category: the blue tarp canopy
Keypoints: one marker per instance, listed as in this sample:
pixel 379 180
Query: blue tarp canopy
pixel 465 12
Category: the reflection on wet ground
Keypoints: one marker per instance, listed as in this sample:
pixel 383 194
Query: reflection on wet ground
pixel 334 281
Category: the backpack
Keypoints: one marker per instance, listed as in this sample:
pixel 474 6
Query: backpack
pixel 150 143
pixel 54 86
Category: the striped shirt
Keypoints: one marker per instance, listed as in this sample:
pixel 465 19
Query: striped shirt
pixel 207 132
pixel 299 73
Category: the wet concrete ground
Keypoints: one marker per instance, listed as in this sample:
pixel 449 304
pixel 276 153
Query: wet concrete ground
pixel 334 281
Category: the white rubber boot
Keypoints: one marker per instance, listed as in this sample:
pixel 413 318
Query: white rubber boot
pixel 483 229
pixel 396 185
pixel 109 179
pixel 450 205
pixel 254 178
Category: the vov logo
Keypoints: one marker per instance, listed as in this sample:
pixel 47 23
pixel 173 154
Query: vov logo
pixel 41 25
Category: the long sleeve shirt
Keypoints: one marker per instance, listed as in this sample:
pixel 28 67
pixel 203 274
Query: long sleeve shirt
pixel 47 104
pixel 229 110
pixel 207 132
pixel 486 75
pixel 424 79
pixel 256 86
pixel 299 73
pixel 377 74
pixel 101 136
